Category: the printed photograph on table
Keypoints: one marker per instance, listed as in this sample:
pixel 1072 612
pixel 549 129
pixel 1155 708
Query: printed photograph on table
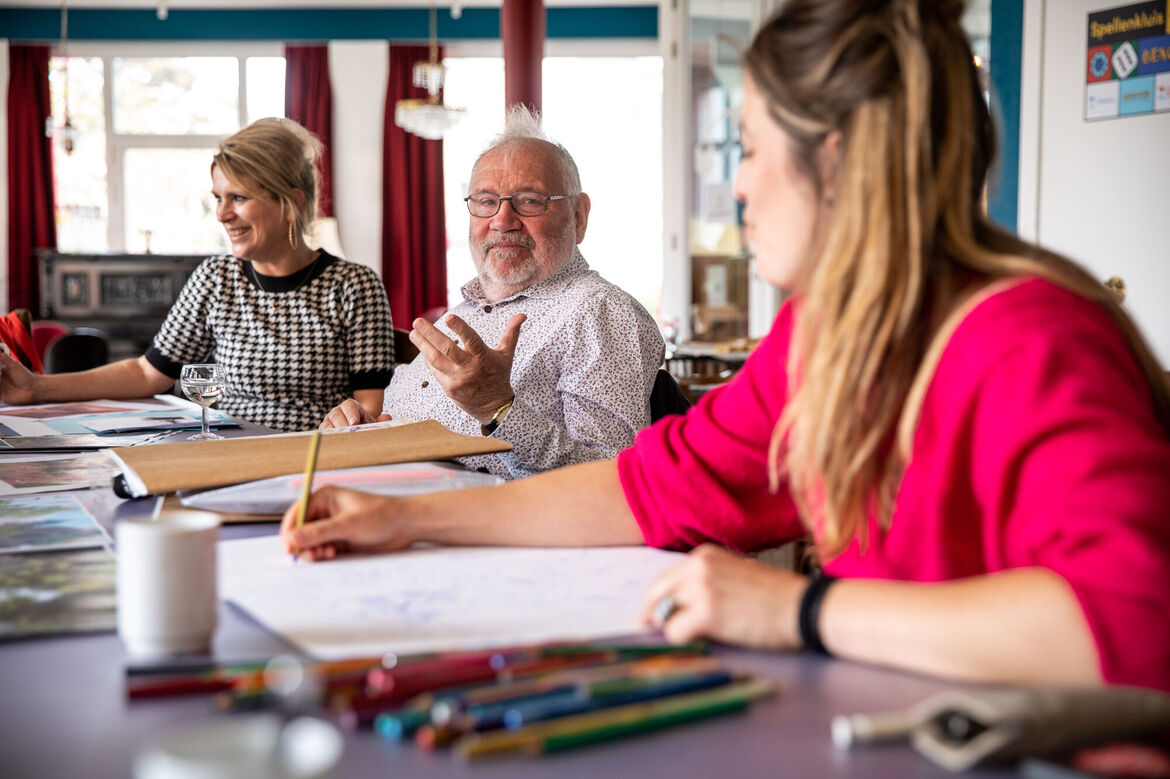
pixel 53 419
pixel 56 592
pixel 47 522
pixel 161 419
pixel 1127 61
pixel 60 410
pixel 54 473
pixel 76 442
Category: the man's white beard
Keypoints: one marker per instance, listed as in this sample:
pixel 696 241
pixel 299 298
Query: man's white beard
pixel 528 270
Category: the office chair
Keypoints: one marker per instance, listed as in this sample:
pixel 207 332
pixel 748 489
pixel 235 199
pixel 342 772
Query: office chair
pixel 80 350
pixel 404 350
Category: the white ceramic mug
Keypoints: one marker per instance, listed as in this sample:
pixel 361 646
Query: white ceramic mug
pixel 167 597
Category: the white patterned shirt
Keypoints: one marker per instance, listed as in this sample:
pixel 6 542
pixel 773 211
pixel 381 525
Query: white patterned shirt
pixel 582 372
pixel 293 349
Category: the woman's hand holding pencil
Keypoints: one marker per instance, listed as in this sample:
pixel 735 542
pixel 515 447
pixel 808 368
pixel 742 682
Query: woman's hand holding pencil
pixel 339 520
pixel 310 467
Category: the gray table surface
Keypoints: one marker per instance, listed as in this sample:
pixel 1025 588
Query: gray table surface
pixel 64 713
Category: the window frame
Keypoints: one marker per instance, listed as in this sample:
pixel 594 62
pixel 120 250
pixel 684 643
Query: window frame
pixel 118 143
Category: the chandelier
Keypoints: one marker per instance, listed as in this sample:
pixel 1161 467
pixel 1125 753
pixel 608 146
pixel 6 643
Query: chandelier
pixel 67 132
pixel 428 117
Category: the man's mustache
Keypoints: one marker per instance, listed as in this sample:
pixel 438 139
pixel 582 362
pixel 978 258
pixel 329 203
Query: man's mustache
pixel 514 236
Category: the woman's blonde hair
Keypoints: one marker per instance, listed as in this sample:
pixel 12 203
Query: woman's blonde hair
pixel 906 243
pixel 279 156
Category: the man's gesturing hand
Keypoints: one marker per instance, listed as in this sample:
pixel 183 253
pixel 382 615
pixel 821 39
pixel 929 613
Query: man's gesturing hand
pixel 474 375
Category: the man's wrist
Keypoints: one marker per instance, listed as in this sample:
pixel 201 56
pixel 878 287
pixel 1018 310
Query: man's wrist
pixel 497 418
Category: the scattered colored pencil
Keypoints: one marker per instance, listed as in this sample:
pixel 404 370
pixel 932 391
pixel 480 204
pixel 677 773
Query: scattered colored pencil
pixel 529 699
pixel 594 727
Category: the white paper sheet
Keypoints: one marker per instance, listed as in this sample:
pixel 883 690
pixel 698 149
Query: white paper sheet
pixel 439 598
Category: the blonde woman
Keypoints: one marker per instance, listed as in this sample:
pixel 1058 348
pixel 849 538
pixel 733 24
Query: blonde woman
pixel 297 329
pixel 972 432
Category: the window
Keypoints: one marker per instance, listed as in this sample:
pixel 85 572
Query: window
pixel 176 95
pixel 137 179
pixel 79 179
pixel 614 134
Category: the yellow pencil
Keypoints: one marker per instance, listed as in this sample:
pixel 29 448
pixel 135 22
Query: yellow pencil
pixel 310 467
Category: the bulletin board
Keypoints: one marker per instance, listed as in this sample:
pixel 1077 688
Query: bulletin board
pixel 1127 63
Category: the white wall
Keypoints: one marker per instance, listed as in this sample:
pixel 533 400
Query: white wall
pixel 1096 191
pixel 674 42
pixel 4 177
pixel 358 72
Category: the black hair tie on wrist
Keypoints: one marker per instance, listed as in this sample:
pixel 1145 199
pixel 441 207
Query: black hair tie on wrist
pixel 810 612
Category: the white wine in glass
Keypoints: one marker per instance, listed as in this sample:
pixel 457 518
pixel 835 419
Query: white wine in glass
pixel 203 384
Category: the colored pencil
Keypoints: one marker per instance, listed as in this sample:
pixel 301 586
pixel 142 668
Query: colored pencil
pixel 485 708
pixel 527 713
pixel 246 680
pixel 192 668
pixel 407 681
pixel 476 716
pixel 164 687
pixel 362 710
pixel 452 706
pixel 577 699
pixel 378 683
pixel 594 727
pixel 401 724
pixel 519 660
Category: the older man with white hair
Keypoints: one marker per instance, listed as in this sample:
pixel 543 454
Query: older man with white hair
pixel 569 377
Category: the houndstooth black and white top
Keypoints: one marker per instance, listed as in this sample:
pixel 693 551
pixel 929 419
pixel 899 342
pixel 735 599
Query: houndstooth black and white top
pixel 293 346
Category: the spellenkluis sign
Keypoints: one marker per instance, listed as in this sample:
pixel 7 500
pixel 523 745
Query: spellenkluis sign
pixel 1127 63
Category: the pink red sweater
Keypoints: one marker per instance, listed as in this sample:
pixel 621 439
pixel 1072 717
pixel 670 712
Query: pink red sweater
pixel 1037 446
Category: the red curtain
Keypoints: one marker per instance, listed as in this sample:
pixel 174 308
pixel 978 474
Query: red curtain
pixel 414 236
pixel 30 172
pixel 308 99
pixel 522 29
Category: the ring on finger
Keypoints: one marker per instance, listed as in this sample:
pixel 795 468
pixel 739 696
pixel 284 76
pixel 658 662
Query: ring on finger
pixel 664 609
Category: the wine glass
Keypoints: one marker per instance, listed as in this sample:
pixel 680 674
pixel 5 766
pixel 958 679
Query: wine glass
pixel 203 384
pixel 669 329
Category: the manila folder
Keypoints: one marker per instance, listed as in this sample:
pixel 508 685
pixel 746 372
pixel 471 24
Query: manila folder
pixel 150 470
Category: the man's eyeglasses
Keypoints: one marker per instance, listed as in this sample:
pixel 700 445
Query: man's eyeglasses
pixel 485 205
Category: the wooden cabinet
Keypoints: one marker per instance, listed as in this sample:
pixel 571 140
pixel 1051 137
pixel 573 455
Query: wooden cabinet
pixel 126 296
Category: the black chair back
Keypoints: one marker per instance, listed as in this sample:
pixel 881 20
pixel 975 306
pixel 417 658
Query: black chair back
pixel 404 350
pixel 666 397
pixel 77 351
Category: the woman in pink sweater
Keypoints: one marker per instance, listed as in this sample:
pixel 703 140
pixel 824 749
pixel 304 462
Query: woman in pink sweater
pixel 972 432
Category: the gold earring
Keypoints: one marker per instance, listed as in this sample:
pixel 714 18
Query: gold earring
pixel 292 240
